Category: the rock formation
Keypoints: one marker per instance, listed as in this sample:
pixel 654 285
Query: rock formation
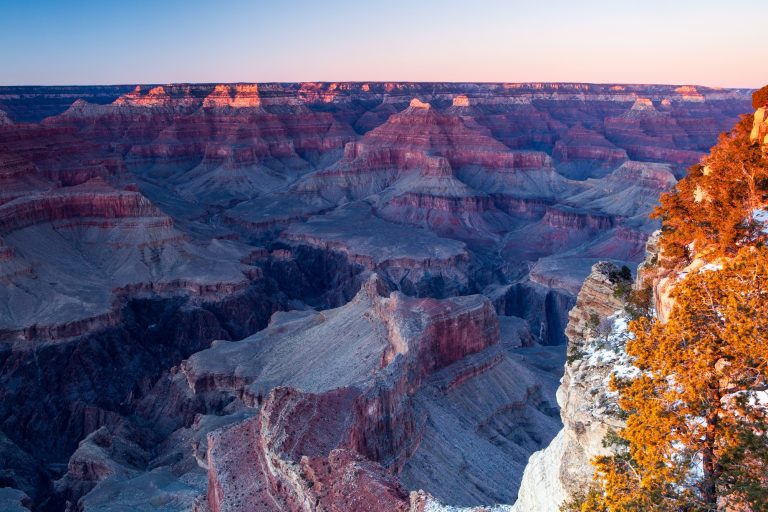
pixel 369 390
pixel 596 335
pixel 760 129
pixel 239 96
pixel 138 224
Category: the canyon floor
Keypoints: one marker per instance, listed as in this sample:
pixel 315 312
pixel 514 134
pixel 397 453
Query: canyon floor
pixel 315 296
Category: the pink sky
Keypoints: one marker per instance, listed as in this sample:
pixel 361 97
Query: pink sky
pixel 703 42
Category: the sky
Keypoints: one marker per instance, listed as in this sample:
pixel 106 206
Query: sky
pixel 702 42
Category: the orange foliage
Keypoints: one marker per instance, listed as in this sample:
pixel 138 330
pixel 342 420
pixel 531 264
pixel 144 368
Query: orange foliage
pixel 709 211
pixel 760 98
pixel 695 436
pixel 696 433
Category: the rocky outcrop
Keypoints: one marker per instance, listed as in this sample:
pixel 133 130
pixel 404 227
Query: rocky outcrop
pixel 661 280
pixel 385 346
pixel 385 359
pixel 461 101
pixel 596 297
pixel 596 335
pixel 759 132
pixel 413 327
pixel 176 97
pixel 237 96
pixel 287 460
pixel 257 478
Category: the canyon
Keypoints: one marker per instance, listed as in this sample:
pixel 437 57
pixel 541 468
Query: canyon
pixel 317 296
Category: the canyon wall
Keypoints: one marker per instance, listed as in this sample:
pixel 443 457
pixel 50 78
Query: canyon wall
pixel 596 336
pixel 156 241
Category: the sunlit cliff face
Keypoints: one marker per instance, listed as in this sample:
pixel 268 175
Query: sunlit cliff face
pixel 417 103
pixel 237 96
pixel 689 93
pixel 461 101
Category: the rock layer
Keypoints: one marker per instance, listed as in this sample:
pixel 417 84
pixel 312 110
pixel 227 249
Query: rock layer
pixel 138 224
pixel 588 409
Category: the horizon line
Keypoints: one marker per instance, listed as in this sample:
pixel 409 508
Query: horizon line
pixel 282 82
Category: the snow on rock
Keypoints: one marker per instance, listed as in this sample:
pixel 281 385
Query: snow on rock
pixel 421 502
pixel 587 406
pixel 760 215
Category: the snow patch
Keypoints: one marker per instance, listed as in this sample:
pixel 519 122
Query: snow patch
pixel 755 399
pixel 611 349
pixel 434 506
pixel 760 215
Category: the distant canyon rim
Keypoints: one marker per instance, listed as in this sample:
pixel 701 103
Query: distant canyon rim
pixel 309 296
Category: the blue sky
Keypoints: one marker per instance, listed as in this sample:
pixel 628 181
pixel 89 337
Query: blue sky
pixel 95 42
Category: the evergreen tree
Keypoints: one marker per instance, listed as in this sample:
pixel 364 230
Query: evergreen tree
pixel 695 437
pixel 709 211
